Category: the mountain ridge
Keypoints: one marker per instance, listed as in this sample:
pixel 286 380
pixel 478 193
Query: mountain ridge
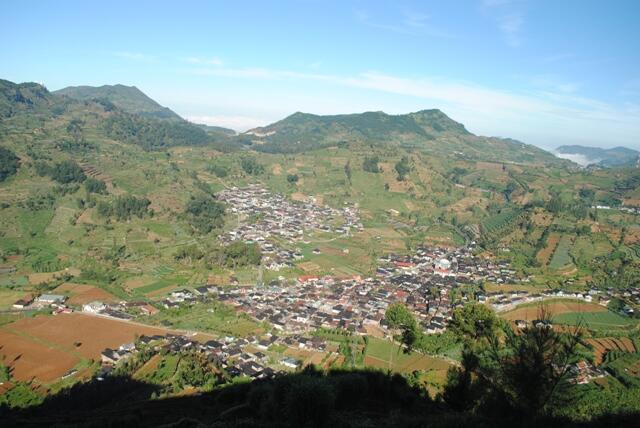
pixel 427 129
pixel 128 98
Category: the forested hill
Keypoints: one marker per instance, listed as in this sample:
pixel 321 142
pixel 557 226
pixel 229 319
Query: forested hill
pixel 124 115
pixel 128 98
pixel 430 130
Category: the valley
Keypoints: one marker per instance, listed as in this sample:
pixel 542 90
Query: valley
pixel 246 255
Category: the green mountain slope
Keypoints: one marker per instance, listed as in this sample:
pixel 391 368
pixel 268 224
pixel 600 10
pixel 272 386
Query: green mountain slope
pixel 124 115
pixel 127 98
pixel 428 130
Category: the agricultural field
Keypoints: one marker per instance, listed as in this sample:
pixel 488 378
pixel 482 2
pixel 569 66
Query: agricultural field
pixel 531 311
pixel 214 318
pixel 602 345
pixel 79 294
pixel 545 254
pixel 561 258
pixel 386 355
pixel 44 348
pixel 595 320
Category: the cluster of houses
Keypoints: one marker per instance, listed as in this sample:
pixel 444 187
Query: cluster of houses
pixel 123 310
pixel 237 356
pixel 275 216
pixel 53 301
pixel 423 281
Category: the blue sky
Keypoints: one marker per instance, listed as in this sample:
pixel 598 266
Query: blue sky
pixel 545 72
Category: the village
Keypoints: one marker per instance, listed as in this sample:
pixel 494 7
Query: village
pixel 275 218
pixel 432 281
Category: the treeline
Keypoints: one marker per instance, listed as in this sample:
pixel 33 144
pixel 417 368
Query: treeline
pixel 9 163
pixel 237 254
pixel 124 207
pixel 64 172
pixel 204 213
pixel 154 134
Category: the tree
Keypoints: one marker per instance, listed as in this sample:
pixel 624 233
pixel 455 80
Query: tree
pixel 93 185
pixel 292 178
pixel 239 253
pixel 347 171
pixel 474 321
pixel 9 163
pixel 251 166
pixel 74 127
pixel 503 372
pixel 66 172
pixel 403 168
pixel 205 214
pixel 398 317
pixel 370 164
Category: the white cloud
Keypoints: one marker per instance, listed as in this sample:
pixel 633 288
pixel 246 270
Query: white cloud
pixel 135 56
pixel 204 61
pixel 237 123
pixel 509 17
pixel 409 23
pixel 510 26
pixel 581 160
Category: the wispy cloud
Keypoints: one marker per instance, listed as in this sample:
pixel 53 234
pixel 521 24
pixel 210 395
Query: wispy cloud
pixel 509 17
pixel 409 23
pixel 510 26
pixel 558 57
pixel 237 123
pixel 135 56
pixel 554 84
pixel 203 61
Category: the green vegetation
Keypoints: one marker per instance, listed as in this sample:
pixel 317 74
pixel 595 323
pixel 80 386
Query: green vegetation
pixel 238 254
pixel 154 134
pixel 124 207
pixel 204 213
pixel 370 164
pixel 251 166
pixel 402 168
pixel 9 163
pixel 64 172
pixel 95 186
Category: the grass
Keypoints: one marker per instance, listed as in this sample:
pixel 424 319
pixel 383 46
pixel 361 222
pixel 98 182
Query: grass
pixel 561 257
pixel 163 283
pixel 208 317
pixel 388 355
pixel 595 320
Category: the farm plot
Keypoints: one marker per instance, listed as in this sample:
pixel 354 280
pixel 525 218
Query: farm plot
pixel 386 355
pixel 595 320
pixel 500 224
pixel 546 253
pixel 555 308
pixel 605 344
pixel 46 347
pixel 83 293
pixel 561 257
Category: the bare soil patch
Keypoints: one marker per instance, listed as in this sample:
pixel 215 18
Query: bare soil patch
pixel 84 293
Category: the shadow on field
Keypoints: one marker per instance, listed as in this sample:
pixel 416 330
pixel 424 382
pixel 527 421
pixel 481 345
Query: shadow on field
pixel 361 398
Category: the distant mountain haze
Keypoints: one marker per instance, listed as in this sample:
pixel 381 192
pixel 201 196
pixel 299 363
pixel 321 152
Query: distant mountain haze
pixel 584 156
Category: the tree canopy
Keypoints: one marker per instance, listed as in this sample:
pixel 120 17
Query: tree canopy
pixel 9 163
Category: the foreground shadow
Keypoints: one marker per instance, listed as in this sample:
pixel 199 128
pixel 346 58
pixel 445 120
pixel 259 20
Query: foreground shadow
pixel 356 398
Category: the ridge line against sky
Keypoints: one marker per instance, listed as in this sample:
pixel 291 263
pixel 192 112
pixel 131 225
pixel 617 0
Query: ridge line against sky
pixel 544 72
